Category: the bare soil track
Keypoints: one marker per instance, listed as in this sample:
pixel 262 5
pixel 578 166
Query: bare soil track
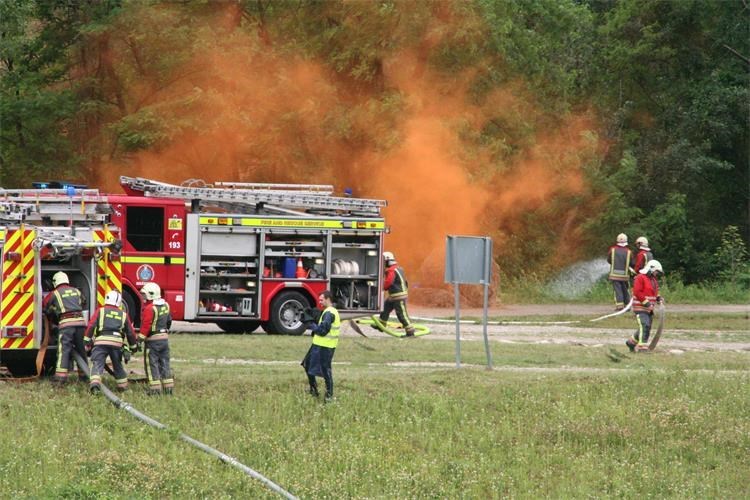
pixel 672 341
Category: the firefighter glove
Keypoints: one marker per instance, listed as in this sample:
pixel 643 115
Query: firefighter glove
pixel 659 299
pixel 126 355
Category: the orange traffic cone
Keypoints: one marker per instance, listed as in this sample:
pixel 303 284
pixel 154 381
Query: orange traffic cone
pixel 301 273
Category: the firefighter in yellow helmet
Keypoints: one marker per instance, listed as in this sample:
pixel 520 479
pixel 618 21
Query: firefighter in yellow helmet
pixel 620 259
pixel 156 320
pixel 396 292
pixel 64 307
pixel 319 357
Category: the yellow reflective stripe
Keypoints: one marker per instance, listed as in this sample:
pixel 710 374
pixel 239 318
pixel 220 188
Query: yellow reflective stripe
pixel 132 259
pixel 405 288
pixel 142 260
pixel 294 223
pixel 60 302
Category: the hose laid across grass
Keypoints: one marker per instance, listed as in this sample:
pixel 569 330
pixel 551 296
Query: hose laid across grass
pixel 122 405
pixel 571 322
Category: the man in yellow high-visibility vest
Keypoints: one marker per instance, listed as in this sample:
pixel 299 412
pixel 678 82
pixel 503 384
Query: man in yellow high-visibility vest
pixel 325 332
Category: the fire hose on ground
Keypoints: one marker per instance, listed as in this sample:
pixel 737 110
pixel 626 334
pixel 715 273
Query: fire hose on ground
pixel 122 405
pixel 571 322
pixel 652 345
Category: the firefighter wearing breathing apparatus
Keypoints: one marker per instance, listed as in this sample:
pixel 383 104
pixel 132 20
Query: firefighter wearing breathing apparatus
pixel 156 320
pixel 396 292
pixel 645 295
pixel 105 337
pixel 64 307
pixel 619 258
pixel 325 332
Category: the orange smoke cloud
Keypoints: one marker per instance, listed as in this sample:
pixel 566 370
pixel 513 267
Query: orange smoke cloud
pixel 242 112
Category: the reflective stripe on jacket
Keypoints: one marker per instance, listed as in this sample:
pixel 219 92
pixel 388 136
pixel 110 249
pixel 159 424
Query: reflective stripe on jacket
pixel 645 291
pixel 331 339
pixel 157 319
pixel 395 283
pixel 619 262
pixel 644 255
pixel 110 326
pixel 65 303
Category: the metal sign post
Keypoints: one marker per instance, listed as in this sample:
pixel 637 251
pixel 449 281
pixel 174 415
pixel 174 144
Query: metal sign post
pixel 468 260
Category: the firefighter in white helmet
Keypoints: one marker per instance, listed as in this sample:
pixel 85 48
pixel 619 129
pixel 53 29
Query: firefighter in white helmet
pixel 396 292
pixel 645 295
pixel 64 308
pixel 644 254
pixel 156 320
pixel 620 259
pixel 108 333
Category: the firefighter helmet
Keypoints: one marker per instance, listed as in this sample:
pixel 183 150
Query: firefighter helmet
pixel 60 278
pixel 642 241
pixel 151 291
pixel 389 256
pixel 113 298
pixel 652 266
pixel 622 238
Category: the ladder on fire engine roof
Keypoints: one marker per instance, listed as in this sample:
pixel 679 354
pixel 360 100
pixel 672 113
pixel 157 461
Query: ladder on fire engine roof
pixel 46 206
pixel 296 199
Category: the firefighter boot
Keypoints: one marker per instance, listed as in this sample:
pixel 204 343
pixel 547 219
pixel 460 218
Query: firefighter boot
pixel 630 344
pixel 410 331
pixel 168 391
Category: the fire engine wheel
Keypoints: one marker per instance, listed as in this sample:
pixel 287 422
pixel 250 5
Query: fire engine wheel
pixel 238 326
pixel 286 313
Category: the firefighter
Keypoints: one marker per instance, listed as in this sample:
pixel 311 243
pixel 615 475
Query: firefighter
pixel 396 292
pixel 156 320
pixel 619 258
pixel 644 254
pixel 64 307
pixel 105 337
pixel 325 332
pixel 645 295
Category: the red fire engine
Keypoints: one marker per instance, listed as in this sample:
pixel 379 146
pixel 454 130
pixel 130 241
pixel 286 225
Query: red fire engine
pixel 246 255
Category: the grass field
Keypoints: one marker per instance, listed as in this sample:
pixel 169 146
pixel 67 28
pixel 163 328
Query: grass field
pixel 553 421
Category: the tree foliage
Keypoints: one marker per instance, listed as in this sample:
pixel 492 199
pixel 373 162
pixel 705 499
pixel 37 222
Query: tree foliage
pixel 92 84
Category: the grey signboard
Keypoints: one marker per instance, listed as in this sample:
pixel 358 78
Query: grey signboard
pixel 468 260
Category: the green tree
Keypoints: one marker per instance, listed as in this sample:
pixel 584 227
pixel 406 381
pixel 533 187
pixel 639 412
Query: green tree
pixel 731 258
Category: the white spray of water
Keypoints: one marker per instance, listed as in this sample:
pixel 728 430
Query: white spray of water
pixel 578 278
